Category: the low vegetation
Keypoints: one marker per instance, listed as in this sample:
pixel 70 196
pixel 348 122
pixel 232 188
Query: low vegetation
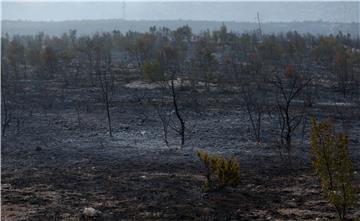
pixel 220 172
pixel 333 166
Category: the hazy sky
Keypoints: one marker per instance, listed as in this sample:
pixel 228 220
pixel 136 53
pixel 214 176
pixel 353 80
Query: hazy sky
pixel 220 11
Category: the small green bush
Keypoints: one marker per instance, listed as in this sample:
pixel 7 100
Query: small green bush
pixel 333 166
pixel 220 172
pixel 152 72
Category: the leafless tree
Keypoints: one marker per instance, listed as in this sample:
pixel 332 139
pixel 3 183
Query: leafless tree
pixel 104 72
pixel 180 130
pixel 142 97
pixel 104 77
pixel 168 110
pixel 168 58
pixel 254 101
pixel 163 111
pixel 6 114
pixel 290 114
pixel 5 85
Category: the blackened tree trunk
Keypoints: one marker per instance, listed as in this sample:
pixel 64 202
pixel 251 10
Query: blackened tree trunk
pixel 177 112
pixel 6 115
pixel 104 79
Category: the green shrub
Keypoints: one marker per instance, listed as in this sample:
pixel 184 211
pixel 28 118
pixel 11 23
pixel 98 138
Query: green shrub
pixel 152 71
pixel 220 172
pixel 333 166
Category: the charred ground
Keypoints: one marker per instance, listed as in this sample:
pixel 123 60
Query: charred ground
pixel 58 156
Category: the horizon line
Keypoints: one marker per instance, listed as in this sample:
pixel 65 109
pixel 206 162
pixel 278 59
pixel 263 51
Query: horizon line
pixel 180 19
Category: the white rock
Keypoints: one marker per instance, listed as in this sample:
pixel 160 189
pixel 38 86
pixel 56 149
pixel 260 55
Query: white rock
pixel 6 186
pixel 90 212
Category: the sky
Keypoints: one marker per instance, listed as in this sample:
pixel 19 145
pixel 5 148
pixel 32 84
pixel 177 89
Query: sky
pixel 187 10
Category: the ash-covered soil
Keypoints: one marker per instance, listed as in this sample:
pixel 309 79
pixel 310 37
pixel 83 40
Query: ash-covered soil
pixel 54 167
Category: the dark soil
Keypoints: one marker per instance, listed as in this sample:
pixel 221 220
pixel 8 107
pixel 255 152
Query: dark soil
pixel 52 169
